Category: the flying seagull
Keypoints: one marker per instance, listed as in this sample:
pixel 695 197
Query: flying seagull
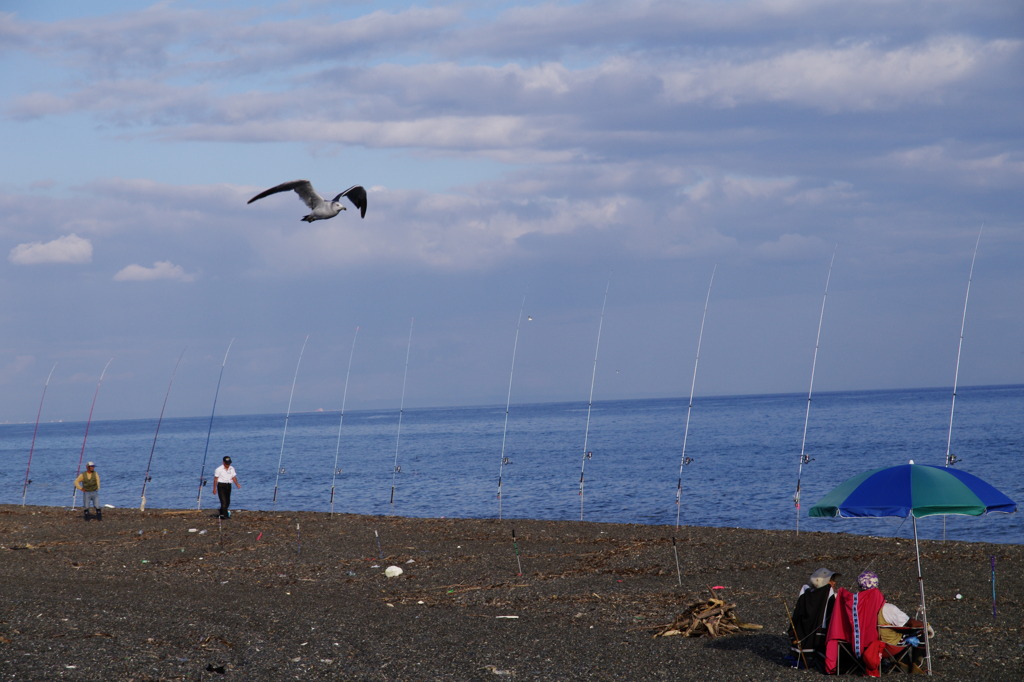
pixel 321 209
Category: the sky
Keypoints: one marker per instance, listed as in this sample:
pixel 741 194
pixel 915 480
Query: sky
pixel 521 160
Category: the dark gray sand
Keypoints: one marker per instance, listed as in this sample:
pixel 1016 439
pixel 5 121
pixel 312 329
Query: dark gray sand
pixel 176 595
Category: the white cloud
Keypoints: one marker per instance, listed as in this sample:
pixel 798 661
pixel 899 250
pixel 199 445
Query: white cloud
pixel 17 366
pixel 452 132
pixel 161 270
pixel 736 188
pixel 861 76
pixel 37 105
pixel 790 247
pixel 68 249
pixel 968 165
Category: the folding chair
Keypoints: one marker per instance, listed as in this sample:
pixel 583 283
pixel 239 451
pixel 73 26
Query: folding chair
pixel 848 662
pixel 904 660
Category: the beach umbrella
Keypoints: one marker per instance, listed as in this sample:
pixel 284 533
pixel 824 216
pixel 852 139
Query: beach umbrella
pixel 914 490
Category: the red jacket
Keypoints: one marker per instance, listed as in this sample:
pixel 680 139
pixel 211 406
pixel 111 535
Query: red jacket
pixel 860 631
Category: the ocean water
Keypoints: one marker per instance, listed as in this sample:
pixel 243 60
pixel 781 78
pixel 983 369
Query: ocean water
pixel 745 453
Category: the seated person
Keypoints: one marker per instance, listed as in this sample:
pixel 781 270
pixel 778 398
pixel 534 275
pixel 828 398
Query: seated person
pixel 896 631
pixel 811 617
pixel 854 623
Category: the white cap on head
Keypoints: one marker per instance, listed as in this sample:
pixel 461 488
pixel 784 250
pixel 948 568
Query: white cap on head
pixel 822 576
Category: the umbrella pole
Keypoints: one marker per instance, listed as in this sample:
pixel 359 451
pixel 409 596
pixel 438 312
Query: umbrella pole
pixel 924 611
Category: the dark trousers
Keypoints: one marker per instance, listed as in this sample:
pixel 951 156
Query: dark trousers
pixel 224 494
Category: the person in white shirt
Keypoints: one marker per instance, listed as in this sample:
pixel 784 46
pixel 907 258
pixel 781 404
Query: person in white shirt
pixel 896 631
pixel 223 477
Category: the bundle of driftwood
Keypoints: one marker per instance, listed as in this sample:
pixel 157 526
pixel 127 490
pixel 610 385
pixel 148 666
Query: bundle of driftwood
pixel 711 618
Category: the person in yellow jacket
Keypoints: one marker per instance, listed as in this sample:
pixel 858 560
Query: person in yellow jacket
pixel 89 483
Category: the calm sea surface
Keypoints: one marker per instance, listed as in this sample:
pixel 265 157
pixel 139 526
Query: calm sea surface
pixel 745 454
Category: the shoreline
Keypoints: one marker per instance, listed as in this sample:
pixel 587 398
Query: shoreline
pixel 832 526
pixel 302 595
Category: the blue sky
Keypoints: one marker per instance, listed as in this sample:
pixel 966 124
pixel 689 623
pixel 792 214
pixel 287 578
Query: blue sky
pixel 544 150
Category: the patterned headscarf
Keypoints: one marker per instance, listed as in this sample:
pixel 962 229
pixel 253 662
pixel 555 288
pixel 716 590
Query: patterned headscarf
pixel 867 580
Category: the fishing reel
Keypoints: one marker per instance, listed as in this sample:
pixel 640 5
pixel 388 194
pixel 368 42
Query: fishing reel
pixel 148 478
pixel 952 459
pixel 806 459
pixel 398 468
pixel 338 472
pixel 687 460
pixel 506 461
pixel 588 455
pixel 282 471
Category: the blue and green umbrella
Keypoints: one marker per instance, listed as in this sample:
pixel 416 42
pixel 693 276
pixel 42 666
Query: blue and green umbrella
pixel 914 490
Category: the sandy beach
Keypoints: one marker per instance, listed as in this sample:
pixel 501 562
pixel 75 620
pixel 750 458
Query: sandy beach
pixel 180 595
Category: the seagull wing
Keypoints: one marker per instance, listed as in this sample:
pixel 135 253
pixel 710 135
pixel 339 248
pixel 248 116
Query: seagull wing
pixel 302 187
pixel 357 195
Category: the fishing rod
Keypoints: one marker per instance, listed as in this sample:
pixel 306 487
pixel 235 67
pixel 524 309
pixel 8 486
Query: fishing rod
pixel 992 559
pixel 952 459
pixel 508 402
pixel 401 410
pixel 344 398
pixel 31 449
pixel 147 479
pixel 209 430
pixel 287 416
pixel 81 455
pixel 679 573
pixel 683 459
pixel 519 562
pixel 587 454
pixel 804 457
